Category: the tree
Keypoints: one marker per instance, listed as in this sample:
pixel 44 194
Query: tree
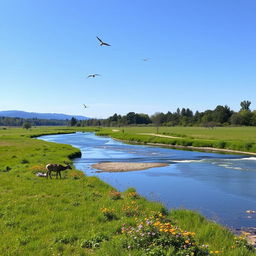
pixel 236 119
pixel 73 121
pixel 253 120
pixel 158 118
pixel 245 105
pixel 27 125
pixel 207 116
pixel 246 117
pixel 131 118
pixel 221 114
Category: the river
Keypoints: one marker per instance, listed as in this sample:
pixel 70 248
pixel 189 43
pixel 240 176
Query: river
pixel 222 187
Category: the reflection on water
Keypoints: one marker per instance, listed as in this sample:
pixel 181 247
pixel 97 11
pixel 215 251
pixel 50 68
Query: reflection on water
pixel 220 186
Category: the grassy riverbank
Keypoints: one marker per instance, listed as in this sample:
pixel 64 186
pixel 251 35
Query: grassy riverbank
pixel 224 138
pixel 81 215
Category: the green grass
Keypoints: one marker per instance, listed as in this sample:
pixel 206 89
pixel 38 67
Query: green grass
pixel 234 138
pixel 65 217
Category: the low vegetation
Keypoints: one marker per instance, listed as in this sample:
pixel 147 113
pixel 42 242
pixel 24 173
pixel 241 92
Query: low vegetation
pixel 80 215
pixel 232 138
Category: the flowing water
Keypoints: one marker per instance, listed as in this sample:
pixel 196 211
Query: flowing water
pixel 220 186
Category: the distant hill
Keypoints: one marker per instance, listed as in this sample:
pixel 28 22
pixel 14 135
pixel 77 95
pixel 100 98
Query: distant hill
pixel 23 114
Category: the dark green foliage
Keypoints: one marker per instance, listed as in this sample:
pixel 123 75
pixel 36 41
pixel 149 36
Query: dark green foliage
pixel 26 124
pixel 16 121
pixel 66 239
pixel 245 105
pixel 220 116
pixel 24 161
pixel 73 121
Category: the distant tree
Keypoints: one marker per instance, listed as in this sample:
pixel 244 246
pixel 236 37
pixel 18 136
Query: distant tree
pixel 73 121
pixel 207 117
pixel 131 118
pixel 142 119
pixel 246 117
pixel 197 117
pixel 27 125
pixel 236 119
pixel 158 118
pixel 245 105
pixel 253 119
pixel 221 114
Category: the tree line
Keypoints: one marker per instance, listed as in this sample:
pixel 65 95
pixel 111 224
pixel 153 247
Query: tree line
pixel 220 116
pixel 16 121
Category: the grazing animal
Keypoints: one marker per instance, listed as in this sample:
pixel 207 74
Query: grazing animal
pixel 56 168
pixel 102 43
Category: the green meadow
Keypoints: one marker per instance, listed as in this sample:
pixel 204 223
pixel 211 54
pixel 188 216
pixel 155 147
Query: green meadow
pixel 232 138
pixel 80 215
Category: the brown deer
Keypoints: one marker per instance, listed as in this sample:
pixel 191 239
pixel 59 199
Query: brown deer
pixel 56 168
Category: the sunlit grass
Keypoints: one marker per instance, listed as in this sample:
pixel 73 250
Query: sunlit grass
pixel 234 138
pixel 69 216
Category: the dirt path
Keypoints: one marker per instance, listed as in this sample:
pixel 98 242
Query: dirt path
pixel 159 135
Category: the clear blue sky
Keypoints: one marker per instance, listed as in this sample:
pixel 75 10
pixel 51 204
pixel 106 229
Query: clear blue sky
pixel 202 54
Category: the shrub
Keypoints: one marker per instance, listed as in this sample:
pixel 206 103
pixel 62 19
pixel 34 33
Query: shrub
pixel 133 195
pixel 131 210
pixel 24 161
pixel 115 195
pixel 108 214
pixel 6 169
pixel 220 144
pixel 94 242
pixel 66 239
pixel 158 236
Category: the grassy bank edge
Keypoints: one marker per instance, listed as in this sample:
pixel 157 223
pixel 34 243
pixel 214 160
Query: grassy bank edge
pixel 182 143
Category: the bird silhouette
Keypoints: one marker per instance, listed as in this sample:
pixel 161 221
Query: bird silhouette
pixel 146 59
pixel 85 106
pixel 102 43
pixel 93 75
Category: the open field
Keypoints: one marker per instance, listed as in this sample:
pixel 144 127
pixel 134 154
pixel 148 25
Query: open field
pixel 81 215
pixel 232 138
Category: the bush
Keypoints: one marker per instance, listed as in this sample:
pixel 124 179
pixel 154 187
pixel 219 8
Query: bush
pixel 108 214
pixel 220 144
pixel 24 161
pixel 66 239
pixel 94 242
pixel 159 236
pixel 115 195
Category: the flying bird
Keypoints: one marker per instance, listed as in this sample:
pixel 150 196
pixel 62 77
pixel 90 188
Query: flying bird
pixel 93 75
pixel 85 106
pixel 102 43
pixel 146 59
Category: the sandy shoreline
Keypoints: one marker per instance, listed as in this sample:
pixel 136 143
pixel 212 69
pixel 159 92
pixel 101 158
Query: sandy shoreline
pixel 125 166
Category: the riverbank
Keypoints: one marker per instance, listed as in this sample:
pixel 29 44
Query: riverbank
pixel 210 141
pixel 81 215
